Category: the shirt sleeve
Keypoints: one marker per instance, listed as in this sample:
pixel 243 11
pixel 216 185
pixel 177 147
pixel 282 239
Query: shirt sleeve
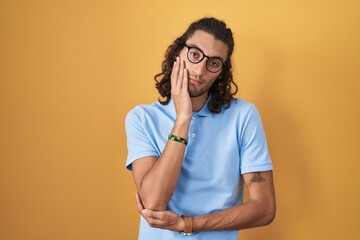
pixel 254 151
pixel 138 143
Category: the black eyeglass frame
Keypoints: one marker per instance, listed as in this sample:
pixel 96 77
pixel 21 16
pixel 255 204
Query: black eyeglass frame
pixel 203 56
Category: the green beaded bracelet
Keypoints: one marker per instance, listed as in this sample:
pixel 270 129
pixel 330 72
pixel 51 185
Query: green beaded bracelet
pixel 177 139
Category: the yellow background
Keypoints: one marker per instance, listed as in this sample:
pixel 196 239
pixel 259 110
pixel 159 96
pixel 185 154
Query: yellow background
pixel 71 70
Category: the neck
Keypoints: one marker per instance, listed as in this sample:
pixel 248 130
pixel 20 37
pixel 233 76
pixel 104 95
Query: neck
pixel 198 102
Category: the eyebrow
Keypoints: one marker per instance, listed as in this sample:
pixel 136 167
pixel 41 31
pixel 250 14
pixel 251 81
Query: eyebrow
pixel 194 45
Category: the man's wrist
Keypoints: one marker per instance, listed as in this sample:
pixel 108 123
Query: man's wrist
pixel 187 220
pixel 181 128
pixel 183 119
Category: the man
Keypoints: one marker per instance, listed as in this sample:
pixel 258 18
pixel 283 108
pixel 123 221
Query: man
pixel 191 153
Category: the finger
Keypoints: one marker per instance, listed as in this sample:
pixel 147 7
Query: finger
pixel 153 222
pixel 156 222
pixel 139 203
pixel 172 77
pixel 185 82
pixel 175 72
pixel 181 74
pixel 160 215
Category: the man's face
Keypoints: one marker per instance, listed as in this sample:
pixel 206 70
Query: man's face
pixel 200 78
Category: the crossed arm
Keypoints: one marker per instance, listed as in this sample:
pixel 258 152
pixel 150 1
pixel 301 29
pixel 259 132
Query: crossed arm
pixel 259 210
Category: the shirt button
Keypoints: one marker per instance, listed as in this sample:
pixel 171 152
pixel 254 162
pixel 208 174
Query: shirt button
pixel 193 135
pixel 193 117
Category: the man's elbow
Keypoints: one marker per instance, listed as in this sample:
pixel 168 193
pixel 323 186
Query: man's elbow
pixel 269 215
pixel 155 205
pixel 153 202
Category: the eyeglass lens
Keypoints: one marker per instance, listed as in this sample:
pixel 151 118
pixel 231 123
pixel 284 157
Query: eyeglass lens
pixel 212 64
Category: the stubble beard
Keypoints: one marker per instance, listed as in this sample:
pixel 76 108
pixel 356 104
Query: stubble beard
pixel 193 92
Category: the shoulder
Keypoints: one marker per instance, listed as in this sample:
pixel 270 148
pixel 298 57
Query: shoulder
pixel 240 112
pixel 239 106
pixel 151 113
pixel 140 111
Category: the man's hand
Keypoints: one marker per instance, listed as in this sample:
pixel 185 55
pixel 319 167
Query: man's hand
pixel 179 90
pixel 161 219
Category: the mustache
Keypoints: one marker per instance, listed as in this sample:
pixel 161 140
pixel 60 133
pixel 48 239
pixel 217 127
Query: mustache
pixel 194 77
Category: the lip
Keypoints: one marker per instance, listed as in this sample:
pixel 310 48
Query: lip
pixel 195 81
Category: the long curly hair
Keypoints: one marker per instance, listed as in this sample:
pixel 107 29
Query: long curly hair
pixel 224 88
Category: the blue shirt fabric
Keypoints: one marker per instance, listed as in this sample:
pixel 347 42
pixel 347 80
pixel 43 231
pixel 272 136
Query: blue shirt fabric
pixel 221 147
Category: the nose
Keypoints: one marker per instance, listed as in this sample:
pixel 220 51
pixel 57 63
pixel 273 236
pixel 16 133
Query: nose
pixel 200 68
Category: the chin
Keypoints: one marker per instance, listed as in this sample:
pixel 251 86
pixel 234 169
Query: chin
pixel 194 93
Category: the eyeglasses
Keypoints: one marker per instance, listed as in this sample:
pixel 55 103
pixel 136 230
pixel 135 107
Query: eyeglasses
pixel 196 55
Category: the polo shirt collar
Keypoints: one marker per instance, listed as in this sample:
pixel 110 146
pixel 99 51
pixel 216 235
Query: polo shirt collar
pixel 205 111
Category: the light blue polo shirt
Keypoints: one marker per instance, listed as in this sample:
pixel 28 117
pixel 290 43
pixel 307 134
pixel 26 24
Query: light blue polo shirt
pixel 220 148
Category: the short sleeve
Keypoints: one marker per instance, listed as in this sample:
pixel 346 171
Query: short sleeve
pixel 254 151
pixel 138 143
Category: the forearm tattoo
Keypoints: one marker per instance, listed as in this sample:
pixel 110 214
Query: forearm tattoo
pixel 257 178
